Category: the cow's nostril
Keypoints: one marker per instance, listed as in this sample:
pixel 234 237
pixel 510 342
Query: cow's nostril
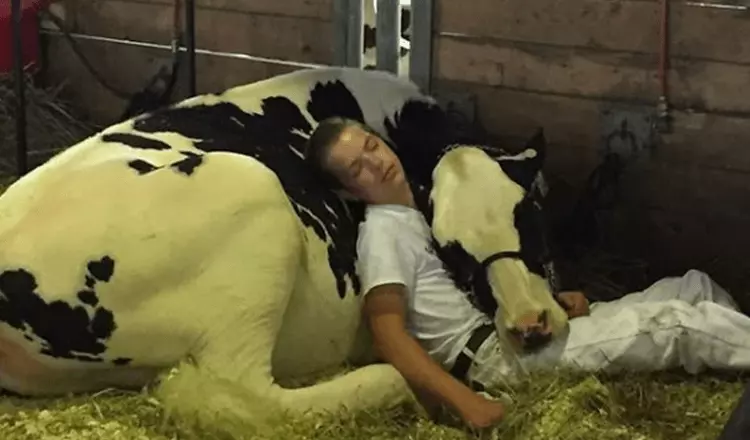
pixel 535 340
pixel 543 318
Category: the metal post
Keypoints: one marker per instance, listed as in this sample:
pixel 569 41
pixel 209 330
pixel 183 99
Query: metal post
pixel 20 83
pixel 387 42
pixel 420 61
pixel 355 34
pixel 190 44
pixel 340 31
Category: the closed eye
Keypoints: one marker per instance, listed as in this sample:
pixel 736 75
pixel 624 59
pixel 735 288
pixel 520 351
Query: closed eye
pixel 355 168
pixel 371 144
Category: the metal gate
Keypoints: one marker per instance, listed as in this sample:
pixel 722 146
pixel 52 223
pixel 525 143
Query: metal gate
pixel 349 26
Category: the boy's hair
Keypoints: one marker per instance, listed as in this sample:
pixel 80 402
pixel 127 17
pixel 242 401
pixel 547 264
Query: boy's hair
pixel 319 145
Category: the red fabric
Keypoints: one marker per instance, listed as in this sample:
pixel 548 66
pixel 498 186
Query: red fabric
pixel 29 33
pixel 26 5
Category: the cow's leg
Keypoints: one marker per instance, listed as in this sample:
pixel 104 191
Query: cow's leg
pixel 196 393
pixel 251 280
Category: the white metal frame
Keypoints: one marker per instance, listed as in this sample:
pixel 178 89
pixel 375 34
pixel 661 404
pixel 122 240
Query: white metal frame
pixel 348 18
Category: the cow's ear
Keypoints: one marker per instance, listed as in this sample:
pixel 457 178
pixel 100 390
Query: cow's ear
pixel 524 172
pixel 538 144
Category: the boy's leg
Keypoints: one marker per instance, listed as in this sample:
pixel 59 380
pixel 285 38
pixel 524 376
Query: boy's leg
pixel 693 287
pixel 650 336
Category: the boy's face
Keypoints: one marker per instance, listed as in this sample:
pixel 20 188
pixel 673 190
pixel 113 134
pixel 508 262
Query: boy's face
pixel 366 166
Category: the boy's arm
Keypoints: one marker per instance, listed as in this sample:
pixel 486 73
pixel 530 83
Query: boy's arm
pixel 388 268
pixel 385 313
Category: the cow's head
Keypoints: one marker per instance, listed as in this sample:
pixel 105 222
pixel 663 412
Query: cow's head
pixel 487 224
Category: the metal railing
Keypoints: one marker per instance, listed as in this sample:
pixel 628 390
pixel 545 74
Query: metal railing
pixel 348 17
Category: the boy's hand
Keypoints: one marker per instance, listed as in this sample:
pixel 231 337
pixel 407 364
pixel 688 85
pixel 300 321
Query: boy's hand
pixel 574 303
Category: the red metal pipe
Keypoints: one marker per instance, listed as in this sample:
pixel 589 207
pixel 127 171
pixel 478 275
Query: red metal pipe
pixel 664 49
pixel 662 107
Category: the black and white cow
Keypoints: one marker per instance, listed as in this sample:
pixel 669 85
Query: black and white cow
pixel 370 35
pixel 194 237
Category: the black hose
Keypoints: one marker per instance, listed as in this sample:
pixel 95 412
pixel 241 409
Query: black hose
pixel 20 83
pixel 77 50
pixel 190 44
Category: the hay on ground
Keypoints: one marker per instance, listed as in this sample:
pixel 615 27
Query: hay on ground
pixel 52 124
pixel 664 406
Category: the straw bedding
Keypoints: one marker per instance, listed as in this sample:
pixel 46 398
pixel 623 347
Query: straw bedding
pixel 666 406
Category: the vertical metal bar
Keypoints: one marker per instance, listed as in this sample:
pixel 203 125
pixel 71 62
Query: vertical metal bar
pixel 20 84
pixel 190 44
pixel 387 42
pixel 340 31
pixel 420 61
pixel 355 34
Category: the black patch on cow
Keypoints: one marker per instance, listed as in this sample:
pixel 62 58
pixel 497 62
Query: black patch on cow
pixel 141 166
pixel 333 99
pixel 122 361
pixel 102 269
pixel 276 137
pixel 189 163
pixel 90 281
pixel 524 172
pixel 370 33
pixel 370 36
pixel 468 275
pixel 405 21
pixel 64 329
pixel 529 223
pixel 420 132
pixel 136 141
pixel 88 297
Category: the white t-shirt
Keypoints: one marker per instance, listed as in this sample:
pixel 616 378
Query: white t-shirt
pixel 394 247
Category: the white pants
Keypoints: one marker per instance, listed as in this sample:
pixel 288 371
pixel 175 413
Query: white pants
pixel 688 322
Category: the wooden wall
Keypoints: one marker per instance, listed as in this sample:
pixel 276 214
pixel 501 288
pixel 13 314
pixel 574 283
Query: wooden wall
pixel 295 30
pixel 558 64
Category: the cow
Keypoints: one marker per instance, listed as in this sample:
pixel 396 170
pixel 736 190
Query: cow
pixel 370 35
pixel 193 240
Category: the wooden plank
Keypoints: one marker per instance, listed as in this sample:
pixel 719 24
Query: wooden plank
pixel 717 142
pixel 216 74
pixel 673 243
pixel 283 37
pixel 625 25
pixel 695 191
pixel 315 9
pixel 293 8
pixel 504 112
pixel 700 85
pixel 699 139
